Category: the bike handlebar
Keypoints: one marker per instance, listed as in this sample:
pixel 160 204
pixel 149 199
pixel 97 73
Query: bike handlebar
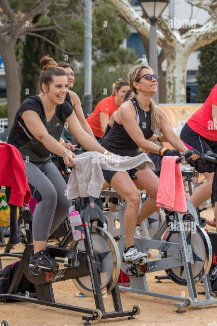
pixel 210 159
pixel 185 155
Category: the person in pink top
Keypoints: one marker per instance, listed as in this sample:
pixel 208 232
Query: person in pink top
pixel 200 132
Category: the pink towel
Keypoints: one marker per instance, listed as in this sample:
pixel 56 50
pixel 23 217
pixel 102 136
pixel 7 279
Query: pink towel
pixel 171 193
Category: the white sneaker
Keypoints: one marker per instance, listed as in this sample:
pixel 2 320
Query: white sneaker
pixel 133 254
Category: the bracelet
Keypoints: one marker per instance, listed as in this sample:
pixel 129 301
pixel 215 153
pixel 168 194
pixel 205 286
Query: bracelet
pixel 65 151
pixel 106 152
pixel 162 150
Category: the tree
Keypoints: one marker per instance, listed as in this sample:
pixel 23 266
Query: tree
pixel 33 50
pixel 175 45
pixel 110 61
pixel 206 76
pixel 16 19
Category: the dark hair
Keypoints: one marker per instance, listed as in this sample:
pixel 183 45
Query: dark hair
pixel 49 69
pixel 118 84
pixel 64 64
pixel 128 95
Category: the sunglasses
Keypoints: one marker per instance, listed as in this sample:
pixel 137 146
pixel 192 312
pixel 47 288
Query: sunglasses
pixel 148 77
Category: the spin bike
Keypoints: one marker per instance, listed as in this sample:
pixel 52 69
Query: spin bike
pixel 186 256
pixel 93 264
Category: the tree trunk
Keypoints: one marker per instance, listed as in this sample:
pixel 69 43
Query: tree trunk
pixel 176 74
pixel 7 52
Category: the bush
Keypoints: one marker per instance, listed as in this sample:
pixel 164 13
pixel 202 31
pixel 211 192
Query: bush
pixel 3 111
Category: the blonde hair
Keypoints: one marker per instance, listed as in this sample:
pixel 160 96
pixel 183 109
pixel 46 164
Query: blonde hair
pixel 134 75
pixel 49 69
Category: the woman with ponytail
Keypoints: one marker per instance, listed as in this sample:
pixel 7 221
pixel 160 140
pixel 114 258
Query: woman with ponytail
pixel 36 132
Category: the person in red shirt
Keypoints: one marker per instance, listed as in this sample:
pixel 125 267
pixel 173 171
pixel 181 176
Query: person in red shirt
pixel 99 118
pixel 200 132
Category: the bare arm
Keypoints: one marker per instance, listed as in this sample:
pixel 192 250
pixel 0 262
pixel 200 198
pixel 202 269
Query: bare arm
pixel 214 114
pixel 155 138
pixel 169 134
pixel 112 119
pixel 104 120
pixel 38 130
pixel 126 115
pixel 79 112
pixel 82 136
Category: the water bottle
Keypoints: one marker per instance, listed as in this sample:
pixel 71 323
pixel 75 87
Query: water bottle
pixel 75 221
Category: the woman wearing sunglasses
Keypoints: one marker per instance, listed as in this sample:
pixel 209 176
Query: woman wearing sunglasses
pixel 133 128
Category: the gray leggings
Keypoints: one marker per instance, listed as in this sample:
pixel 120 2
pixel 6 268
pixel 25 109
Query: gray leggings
pixel 51 211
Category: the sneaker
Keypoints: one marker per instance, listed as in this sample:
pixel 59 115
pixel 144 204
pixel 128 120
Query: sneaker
pixel 133 254
pixel 42 260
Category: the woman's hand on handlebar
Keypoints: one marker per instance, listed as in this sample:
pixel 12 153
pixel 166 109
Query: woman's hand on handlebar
pixel 196 154
pixel 69 158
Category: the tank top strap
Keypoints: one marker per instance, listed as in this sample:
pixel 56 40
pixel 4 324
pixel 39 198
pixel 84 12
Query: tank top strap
pixel 68 99
pixel 136 106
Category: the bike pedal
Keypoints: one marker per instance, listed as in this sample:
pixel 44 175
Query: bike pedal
pixel 38 270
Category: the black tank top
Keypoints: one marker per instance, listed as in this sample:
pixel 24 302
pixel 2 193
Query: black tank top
pixel 119 142
pixel 68 99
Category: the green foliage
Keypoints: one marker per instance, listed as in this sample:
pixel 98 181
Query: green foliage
pixel 102 80
pixel 44 20
pixel 111 61
pixel 206 76
pixel 34 49
pixel 107 23
pixel 3 111
pixel 23 4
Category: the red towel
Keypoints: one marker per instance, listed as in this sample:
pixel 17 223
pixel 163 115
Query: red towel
pixel 12 174
pixel 171 194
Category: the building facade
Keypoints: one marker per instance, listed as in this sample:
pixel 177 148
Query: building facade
pixel 179 14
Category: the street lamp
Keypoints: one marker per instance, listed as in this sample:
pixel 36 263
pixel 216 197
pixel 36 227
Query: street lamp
pixel 153 10
pixel 88 99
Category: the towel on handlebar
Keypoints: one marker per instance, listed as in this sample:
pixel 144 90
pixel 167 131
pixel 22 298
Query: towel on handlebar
pixel 171 194
pixel 86 178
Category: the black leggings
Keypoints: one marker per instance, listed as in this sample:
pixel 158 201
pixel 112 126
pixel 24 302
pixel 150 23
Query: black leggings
pixel 198 142
pixel 203 145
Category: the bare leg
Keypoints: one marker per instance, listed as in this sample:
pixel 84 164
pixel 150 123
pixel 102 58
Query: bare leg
pixel 147 180
pixel 125 187
pixel 203 192
pixel 39 245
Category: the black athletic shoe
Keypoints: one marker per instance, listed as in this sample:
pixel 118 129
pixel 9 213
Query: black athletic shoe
pixel 42 260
